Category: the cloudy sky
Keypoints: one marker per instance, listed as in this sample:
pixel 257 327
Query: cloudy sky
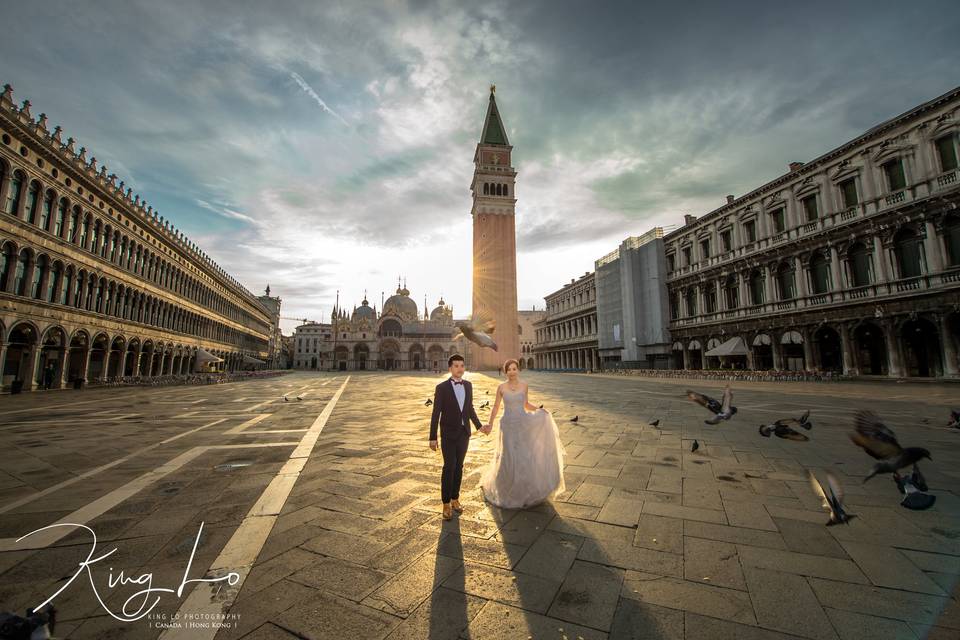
pixel 318 146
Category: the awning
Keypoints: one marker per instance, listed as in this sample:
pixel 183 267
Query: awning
pixel 206 356
pixel 732 347
pixel 252 360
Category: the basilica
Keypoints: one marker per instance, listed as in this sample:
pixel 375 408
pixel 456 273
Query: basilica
pixel 398 337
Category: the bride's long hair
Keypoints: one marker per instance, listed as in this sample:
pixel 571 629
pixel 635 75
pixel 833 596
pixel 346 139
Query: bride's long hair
pixel 506 365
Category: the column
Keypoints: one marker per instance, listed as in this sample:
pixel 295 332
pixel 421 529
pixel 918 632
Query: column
pixel 123 363
pixel 686 357
pixel 835 269
pixel 3 355
pixel 880 259
pixel 931 247
pixel 949 348
pixel 801 276
pixel 743 289
pixel 768 287
pixel 850 366
pixel 750 362
pixel 86 363
pixel 105 371
pixel 65 367
pixel 30 379
pixel 895 368
pixel 809 358
pixel 136 362
pixel 775 348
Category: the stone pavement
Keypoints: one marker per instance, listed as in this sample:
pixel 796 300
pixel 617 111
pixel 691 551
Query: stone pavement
pixel 649 540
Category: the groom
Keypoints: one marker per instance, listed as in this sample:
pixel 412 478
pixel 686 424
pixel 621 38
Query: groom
pixel 452 408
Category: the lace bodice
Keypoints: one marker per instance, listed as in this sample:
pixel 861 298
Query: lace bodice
pixel 513 401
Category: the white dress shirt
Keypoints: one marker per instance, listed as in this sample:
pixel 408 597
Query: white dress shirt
pixel 460 391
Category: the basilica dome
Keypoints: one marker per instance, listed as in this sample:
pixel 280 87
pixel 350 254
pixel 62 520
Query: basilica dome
pixel 401 304
pixel 441 311
pixel 364 312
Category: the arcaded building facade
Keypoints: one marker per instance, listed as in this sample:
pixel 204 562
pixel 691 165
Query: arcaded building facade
pixel 94 283
pixel 566 336
pixel 848 263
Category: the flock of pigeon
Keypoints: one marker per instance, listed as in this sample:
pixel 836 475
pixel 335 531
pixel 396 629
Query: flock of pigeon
pixel 870 434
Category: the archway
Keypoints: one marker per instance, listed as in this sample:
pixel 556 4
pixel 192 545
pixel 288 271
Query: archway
pixel 390 356
pixel 436 358
pixel 792 344
pixel 146 357
pixel 99 348
pixel 51 359
pixel 129 366
pixel 921 348
pixel 415 356
pixel 361 353
pixel 18 364
pixel 711 362
pixel 696 354
pixel 530 363
pixel 78 356
pixel 340 357
pixel 677 355
pixel 871 349
pixel 762 352
pixel 953 336
pixel 827 343
pixel 115 357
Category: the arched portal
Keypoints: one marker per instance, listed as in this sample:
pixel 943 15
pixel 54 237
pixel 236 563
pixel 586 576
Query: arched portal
pixel 921 348
pixel 827 343
pixel 871 349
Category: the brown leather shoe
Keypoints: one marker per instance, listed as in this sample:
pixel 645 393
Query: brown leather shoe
pixel 455 505
pixel 447 511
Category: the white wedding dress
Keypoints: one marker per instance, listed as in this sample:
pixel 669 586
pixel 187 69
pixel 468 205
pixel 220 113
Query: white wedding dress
pixel 527 465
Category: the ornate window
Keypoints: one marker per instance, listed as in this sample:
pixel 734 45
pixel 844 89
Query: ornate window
pixel 46 210
pixel 38 268
pixel 13 194
pixel 691 302
pixel 731 291
pixel 785 283
pixel 33 198
pixel 757 287
pixel 951 236
pixel 19 279
pixel 779 218
pixel 893 170
pixel 947 153
pixel 861 268
pixel 848 190
pixel 820 273
pixel 906 248
pixel 809 205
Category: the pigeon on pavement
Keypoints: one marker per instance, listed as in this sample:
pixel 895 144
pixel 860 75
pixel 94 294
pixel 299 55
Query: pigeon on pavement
pixel 694 446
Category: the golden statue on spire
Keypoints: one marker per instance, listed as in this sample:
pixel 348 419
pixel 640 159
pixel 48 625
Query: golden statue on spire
pixel 493 88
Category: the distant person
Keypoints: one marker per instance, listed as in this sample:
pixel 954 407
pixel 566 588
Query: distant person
pixel 48 375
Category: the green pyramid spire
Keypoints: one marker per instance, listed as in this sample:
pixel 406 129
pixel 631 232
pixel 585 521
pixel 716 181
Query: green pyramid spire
pixel 493 130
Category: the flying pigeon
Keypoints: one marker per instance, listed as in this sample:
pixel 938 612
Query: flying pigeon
pixel 879 442
pixel 655 422
pixel 285 399
pixel 784 428
pixel 299 398
pixel 574 418
pixel 484 404
pixel 954 419
pixel 541 406
pixel 428 402
pixel 912 488
pixel 479 335
pixel 694 446
pixel 721 410
pixel 832 497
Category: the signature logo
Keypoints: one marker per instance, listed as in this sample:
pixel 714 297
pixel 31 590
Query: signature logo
pixel 144 595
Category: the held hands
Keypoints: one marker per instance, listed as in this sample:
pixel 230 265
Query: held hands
pixel 487 428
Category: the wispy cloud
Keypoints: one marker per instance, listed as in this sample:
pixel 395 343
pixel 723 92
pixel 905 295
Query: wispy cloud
pixel 607 141
pixel 313 94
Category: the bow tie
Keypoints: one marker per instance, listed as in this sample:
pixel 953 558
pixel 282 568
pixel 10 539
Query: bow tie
pixel 458 382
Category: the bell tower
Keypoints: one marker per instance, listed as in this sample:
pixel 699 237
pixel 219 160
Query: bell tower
pixel 494 241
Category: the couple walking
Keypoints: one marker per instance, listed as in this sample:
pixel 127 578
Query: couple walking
pixel 527 464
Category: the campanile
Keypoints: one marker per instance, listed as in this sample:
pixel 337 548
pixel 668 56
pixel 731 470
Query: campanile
pixel 495 241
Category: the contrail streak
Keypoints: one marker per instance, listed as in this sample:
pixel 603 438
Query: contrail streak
pixel 313 94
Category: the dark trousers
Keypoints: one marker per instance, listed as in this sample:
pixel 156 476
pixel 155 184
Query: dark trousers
pixel 454 449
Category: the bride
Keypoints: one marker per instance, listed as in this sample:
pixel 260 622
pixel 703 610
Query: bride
pixel 527 465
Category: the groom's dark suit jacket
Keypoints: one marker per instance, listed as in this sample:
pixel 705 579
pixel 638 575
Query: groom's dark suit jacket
pixel 447 413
